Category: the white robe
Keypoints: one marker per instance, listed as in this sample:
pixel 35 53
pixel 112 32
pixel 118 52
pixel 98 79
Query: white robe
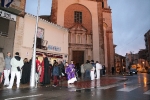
pixel 98 68
pixel 92 73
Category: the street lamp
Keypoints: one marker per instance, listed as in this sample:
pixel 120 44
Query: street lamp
pixel 143 66
pixel 32 76
pixel 143 63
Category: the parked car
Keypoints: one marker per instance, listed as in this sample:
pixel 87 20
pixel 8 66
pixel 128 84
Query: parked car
pixel 133 71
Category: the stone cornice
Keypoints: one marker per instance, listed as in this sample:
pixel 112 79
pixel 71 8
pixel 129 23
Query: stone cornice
pixel 107 10
pixel 47 51
pixel 109 31
pixel 80 45
pixel 96 0
pixel 53 24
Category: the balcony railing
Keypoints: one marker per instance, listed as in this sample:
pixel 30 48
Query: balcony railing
pixel 43 45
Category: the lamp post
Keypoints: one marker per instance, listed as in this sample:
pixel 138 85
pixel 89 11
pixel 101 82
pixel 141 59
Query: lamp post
pixel 32 76
pixel 143 65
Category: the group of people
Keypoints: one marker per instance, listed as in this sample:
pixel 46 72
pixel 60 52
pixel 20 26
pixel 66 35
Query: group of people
pixel 55 72
pixel 12 68
pixel 18 67
pixel 91 70
pixel 45 71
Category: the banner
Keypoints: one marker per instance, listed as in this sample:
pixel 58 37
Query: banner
pixel 7 15
pixel 6 3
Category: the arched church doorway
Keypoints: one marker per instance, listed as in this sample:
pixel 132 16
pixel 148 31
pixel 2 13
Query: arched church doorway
pixel 78 58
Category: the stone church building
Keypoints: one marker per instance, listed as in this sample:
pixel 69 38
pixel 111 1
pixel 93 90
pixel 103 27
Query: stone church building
pixel 90 29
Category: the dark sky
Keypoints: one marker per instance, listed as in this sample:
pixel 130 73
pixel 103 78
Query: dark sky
pixel 130 20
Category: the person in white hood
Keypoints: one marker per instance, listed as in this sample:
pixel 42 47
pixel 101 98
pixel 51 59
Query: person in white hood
pixel 16 63
pixel 98 68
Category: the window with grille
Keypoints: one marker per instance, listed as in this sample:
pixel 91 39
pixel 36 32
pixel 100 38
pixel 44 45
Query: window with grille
pixel 77 17
pixel 4 27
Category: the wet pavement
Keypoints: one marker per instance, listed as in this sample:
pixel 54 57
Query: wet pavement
pixel 80 84
pixel 134 87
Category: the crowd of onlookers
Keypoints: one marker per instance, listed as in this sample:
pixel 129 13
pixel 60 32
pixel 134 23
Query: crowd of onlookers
pixel 47 73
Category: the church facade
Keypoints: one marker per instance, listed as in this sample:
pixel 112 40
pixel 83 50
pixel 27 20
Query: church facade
pixel 90 29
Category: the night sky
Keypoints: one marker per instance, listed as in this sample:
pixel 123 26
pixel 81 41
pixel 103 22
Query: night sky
pixel 130 21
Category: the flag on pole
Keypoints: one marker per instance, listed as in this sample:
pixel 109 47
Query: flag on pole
pixel 6 3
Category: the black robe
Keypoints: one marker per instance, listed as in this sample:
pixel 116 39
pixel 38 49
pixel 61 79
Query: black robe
pixel 26 69
pixel 46 78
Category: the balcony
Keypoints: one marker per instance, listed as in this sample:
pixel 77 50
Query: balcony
pixel 41 44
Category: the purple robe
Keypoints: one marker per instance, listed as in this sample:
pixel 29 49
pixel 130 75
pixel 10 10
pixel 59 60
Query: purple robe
pixel 70 71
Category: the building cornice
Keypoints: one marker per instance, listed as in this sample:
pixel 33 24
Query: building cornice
pixel 107 10
pixel 71 45
pixel 56 25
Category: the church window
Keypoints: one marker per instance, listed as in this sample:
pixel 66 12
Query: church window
pixel 77 17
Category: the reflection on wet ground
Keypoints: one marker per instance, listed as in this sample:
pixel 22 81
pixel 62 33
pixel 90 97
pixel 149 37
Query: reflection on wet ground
pixel 86 84
pixel 82 84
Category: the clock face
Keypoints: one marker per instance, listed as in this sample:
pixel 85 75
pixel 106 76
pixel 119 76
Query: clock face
pixel 40 33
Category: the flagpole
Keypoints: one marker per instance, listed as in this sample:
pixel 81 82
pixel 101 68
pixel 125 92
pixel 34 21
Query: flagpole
pixel 32 76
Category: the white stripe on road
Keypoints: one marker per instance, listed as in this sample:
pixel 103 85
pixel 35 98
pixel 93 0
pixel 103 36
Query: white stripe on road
pixel 24 97
pixel 113 85
pixel 147 92
pixel 128 88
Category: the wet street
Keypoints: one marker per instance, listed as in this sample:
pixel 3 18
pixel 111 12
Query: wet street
pixel 136 87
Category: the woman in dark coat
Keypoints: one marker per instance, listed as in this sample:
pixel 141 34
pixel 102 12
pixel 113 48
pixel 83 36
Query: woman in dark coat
pixel 25 78
pixel 45 74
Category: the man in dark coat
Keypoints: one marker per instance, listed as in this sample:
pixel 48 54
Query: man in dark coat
pixel 45 75
pixel 61 70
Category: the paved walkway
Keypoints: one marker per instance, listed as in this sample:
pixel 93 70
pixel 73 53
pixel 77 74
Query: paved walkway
pixel 103 81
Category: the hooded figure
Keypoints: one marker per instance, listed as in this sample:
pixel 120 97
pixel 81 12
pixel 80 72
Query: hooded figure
pixel 16 63
pixel 26 69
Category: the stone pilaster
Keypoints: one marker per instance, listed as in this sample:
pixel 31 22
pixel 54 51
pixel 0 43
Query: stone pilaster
pixel 22 4
pixel 111 47
pixel 101 33
pixel 108 52
pixel 54 11
pixel 18 34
